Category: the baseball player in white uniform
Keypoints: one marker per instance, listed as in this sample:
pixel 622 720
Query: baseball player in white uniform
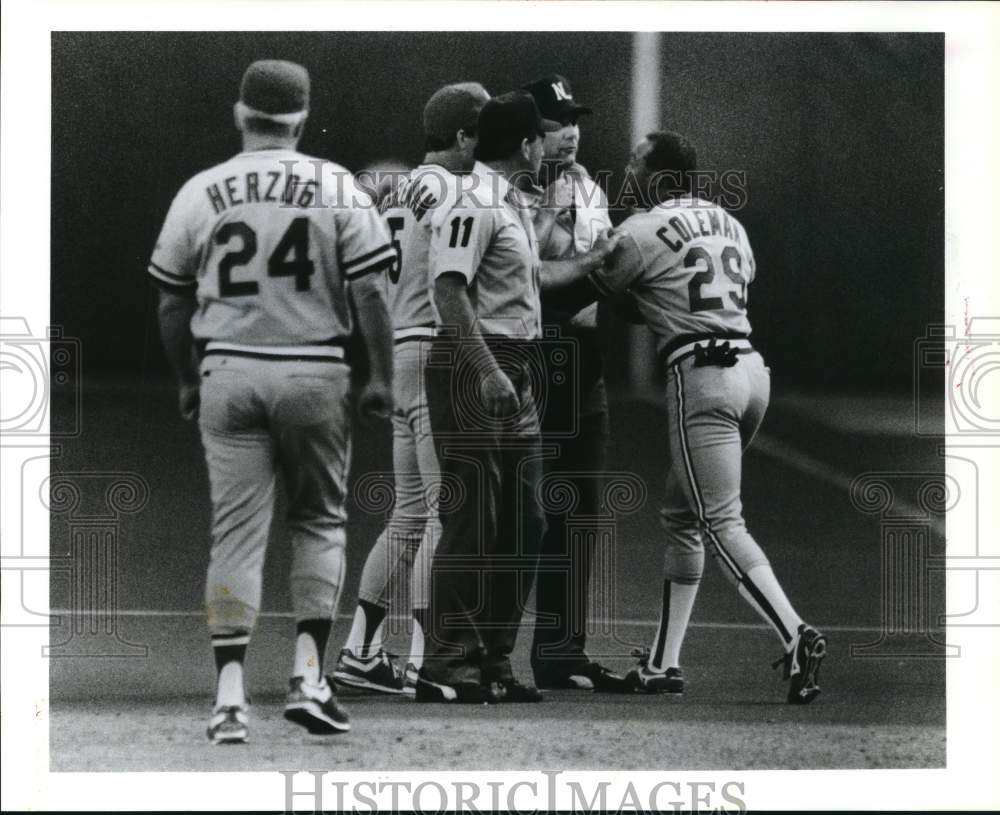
pixel 688 263
pixel 265 263
pixel 406 546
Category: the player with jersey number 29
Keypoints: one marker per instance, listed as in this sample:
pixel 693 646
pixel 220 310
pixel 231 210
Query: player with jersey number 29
pixel 265 262
pixel 688 263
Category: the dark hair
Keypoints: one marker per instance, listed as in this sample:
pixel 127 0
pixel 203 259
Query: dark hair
pixel 433 144
pixel 672 153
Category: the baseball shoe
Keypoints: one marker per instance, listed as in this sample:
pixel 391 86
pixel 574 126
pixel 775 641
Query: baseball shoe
pixel 410 679
pixel 315 707
pixel 376 673
pixel 228 725
pixel 591 676
pixel 467 693
pixel 643 680
pixel 510 690
pixel 801 665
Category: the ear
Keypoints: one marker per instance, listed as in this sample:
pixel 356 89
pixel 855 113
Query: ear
pixel 297 132
pixel 237 119
pixel 526 149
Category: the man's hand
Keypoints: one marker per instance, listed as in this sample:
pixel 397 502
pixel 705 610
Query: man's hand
pixel 498 394
pixel 375 401
pixel 605 244
pixel 189 400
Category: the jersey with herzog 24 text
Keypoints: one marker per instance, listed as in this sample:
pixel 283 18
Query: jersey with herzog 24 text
pixel 267 240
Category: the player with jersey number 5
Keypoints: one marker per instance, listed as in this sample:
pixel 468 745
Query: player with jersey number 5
pixel 688 263
pixel 265 262
pixel 406 546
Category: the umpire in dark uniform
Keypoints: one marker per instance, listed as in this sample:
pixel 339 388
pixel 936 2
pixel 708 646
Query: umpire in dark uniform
pixel 571 215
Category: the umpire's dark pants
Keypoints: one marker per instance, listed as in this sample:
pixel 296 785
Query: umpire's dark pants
pixel 575 421
pixel 492 524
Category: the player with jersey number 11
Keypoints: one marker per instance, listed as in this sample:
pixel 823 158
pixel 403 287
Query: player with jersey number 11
pixel 265 263
pixel 688 263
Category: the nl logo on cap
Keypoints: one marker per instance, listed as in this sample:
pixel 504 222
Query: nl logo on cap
pixel 560 92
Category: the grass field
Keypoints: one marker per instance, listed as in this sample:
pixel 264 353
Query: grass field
pixel 874 712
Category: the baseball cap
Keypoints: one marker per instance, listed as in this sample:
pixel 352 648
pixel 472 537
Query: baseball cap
pixel 275 89
pixel 453 108
pixel 554 96
pixel 507 119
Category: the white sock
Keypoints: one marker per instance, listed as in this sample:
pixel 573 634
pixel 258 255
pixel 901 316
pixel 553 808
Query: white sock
pixel 307 659
pixel 678 615
pixel 356 639
pixel 763 578
pixel 230 689
pixel 417 645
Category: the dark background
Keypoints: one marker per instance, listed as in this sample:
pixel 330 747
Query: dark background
pixel 841 137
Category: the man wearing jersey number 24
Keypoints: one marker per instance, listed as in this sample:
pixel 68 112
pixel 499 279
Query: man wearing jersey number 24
pixel 264 267
pixel 688 263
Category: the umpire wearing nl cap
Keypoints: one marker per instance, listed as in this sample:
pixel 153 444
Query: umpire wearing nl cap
pixel 571 215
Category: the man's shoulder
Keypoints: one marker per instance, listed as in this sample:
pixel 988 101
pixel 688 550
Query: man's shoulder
pixel 645 222
pixel 471 194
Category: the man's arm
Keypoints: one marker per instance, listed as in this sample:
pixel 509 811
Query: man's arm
pixel 175 313
pixel 560 273
pixel 452 300
pixel 375 329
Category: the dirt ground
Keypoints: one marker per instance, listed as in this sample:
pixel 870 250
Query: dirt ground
pixel 149 712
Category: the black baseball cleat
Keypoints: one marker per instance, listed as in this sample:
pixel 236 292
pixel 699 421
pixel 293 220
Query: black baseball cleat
pixel 643 680
pixel 375 673
pixel 801 665
pixel 228 725
pixel 315 707
pixel 590 676
pixel 461 693
pixel 512 691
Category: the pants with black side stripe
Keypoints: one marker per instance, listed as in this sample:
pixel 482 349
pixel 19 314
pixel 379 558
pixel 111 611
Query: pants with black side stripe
pixel 404 549
pixel 258 416
pixel 713 414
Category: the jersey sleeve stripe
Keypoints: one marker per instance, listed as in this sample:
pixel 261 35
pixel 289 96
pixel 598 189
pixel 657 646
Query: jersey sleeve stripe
pixel 376 266
pixel 175 288
pixel 348 265
pixel 171 278
pixel 159 271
